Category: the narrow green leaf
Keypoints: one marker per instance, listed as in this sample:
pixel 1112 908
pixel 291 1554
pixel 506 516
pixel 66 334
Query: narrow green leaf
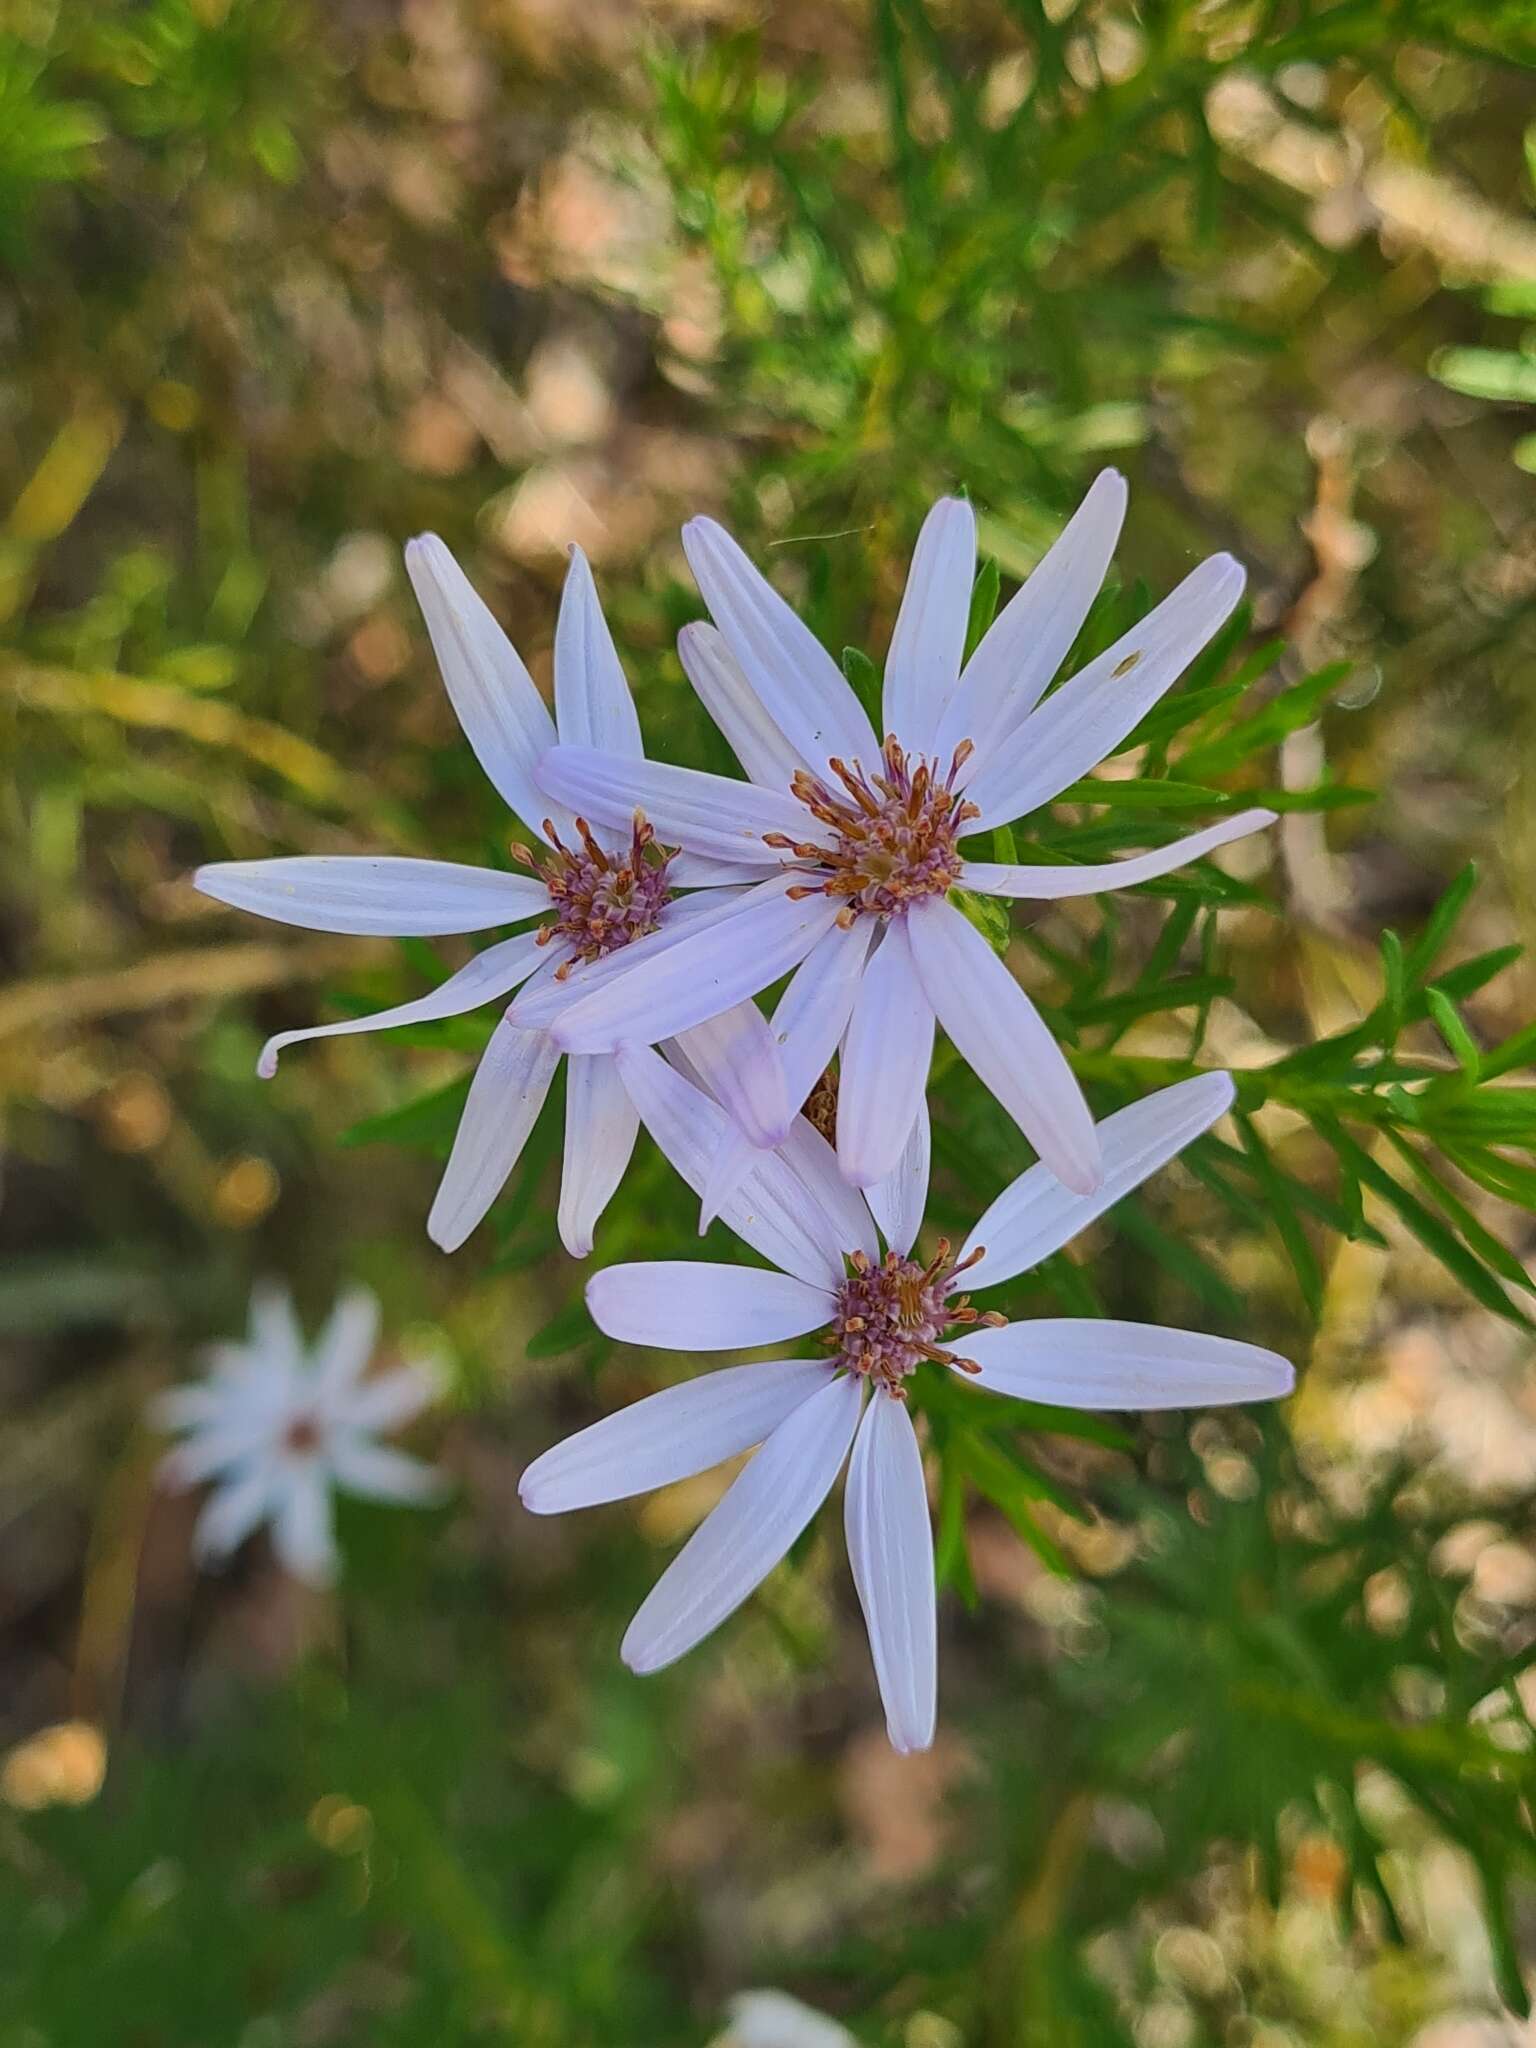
pixel 983 605
pixel 1456 1035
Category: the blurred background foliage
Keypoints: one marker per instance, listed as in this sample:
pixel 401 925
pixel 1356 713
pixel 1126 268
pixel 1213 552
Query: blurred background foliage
pixel 1236 1740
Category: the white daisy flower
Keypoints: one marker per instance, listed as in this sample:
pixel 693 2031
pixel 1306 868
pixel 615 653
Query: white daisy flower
pixel 879 1315
pixel 603 887
pixel 277 1426
pixel 858 842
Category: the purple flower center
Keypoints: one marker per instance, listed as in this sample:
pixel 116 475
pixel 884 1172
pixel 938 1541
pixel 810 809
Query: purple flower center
pixel 891 1316
pixel 602 900
pixel 895 833
pixel 302 1436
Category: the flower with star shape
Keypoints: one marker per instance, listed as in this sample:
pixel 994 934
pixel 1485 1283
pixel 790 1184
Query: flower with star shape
pixel 858 842
pixel 602 888
pixel 278 1426
pixel 846 1274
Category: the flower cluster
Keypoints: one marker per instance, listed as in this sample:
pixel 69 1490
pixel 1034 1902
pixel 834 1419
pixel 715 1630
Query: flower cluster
pixel 671 901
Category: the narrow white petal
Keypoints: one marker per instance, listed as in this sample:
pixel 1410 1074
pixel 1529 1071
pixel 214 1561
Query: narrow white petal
pixel 830 1207
pixel 1088 1364
pixel 700 871
pixel 490 975
pixel 890 1547
pixel 221 1446
pixel 1033 634
pixel 379 1472
pixel 813 1011
pixel 808 1023
pixel 738 1544
pixel 176 1408
pixel 705 814
pixel 804 1169
pixel 593 706
pixel 731 702
pixel 1036 1215
pixel 899 1200
pixel 848 1224
pixel 1047 883
pixel 274 1335
pixel 367 898
pixel 231 1512
pixel 547 994
pixel 800 686
pixel 996 1028
pixel 504 718
pixel 928 640
pixel 302 1537
pixel 505 1098
pixel 736 1057
pixel 346 1343
pixel 1088 717
pixel 600 1127
pixel 683 1305
pixel 670 1435
pixel 771 1208
pixel 763 935
pixel 385 1400
pixel 884 1071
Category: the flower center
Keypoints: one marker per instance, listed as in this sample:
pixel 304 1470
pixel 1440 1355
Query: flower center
pixel 302 1436
pixel 890 1317
pixel 895 832
pixel 601 900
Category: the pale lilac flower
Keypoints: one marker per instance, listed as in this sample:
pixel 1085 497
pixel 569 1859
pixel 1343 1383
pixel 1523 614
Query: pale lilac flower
pixel 278 1426
pixel 858 843
pixel 603 887
pixel 878 1315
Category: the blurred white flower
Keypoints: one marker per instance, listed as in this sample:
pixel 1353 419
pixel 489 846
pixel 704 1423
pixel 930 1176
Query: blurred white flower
pixel 772 2019
pixel 277 1426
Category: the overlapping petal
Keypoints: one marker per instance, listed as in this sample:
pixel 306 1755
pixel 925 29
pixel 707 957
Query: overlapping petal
pixel 505 1098
pixel 899 1200
pixel 670 1435
pixel 738 1544
pixel 764 933
pixel 695 1305
pixel 772 1208
pixel 503 716
pixel 722 688
pixel 374 897
pixel 1031 637
pixel 797 682
pixel 1089 716
pixel 886 1052
pixel 704 814
pixel 600 1127
pixel 890 1549
pixel 998 1030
